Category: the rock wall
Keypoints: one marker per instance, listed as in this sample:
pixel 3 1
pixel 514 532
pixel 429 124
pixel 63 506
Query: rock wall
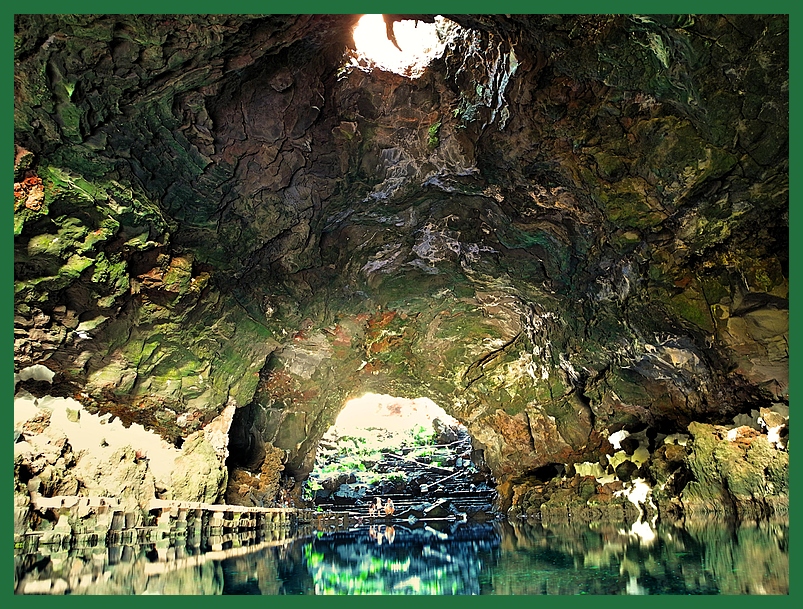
pixel 568 227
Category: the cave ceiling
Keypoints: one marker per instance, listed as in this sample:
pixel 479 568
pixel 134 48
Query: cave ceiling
pixel 566 226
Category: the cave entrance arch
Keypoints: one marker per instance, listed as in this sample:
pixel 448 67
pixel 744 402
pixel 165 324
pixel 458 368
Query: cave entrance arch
pixel 410 454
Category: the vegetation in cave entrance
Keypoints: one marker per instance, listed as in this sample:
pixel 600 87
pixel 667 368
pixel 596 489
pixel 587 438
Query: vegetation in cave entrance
pixel 384 447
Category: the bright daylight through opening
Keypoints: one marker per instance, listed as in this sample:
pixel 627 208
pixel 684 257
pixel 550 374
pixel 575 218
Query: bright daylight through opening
pixel 419 42
pixel 395 415
pixel 407 455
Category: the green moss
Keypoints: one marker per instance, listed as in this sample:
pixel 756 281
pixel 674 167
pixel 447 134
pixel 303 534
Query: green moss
pixel 75 266
pixel 721 466
pixel 179 277
pixel 692 307
pixel 61 184
pixel 70 118
pixel 716 289
pixel 626 206
pixel 95 238
pixel 43 245
pixel 609 166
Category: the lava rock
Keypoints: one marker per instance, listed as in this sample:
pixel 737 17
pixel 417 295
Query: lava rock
pixel 625 470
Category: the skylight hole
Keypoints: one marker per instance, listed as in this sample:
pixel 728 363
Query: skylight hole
pixel 419 43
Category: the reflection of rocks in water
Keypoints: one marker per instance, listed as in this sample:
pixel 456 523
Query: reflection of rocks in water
pixel 192 567
pixel 706 557
pixel 750 559
pixel 115 570
pixel 401 560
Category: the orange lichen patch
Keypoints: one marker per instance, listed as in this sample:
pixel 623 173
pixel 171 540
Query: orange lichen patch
pixel 152 278
pixel 384 344
pixel 743 436
pixel 379 337
pixel 371 368
pixel 37 424
pixel 610 488
pixel 278 380
pixel 282 387
pixel 30 192
pixel 381 320
pixel 303 331
pixel 683 281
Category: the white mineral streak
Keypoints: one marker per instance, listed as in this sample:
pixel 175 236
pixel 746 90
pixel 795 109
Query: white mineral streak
pixel 773 431
pixel 639 493
pixel 382 260
pixel 774 436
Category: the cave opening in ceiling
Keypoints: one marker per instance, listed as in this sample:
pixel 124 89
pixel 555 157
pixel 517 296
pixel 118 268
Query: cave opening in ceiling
pixel 407 457
pixel 405 47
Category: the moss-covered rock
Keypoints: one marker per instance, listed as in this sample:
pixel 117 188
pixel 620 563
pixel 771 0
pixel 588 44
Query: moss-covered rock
pixel 735 472
pixel 199 474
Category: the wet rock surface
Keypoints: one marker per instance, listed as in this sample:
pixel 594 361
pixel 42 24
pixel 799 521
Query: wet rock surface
pixel 567 227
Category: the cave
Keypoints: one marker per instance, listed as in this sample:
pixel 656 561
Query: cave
pixel 565 230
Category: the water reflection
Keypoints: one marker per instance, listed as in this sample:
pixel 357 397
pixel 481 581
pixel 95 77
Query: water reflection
pixel 439 558
pixel 402 560
pixel 700 558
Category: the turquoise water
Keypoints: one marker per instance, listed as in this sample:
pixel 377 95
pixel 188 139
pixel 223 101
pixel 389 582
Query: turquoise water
pixel 442 558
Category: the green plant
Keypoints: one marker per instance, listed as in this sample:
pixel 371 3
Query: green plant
pixel 434 139
pixel 423 452
pixel 422 436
